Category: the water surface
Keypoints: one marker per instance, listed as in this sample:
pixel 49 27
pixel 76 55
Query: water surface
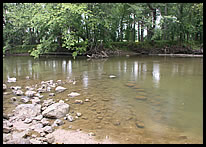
pixel 171 89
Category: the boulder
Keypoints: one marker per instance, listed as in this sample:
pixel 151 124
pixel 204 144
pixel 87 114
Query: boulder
pixel 24 111
pixel 56 110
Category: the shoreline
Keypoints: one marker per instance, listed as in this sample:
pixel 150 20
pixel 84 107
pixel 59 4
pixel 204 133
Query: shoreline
pixel 122 53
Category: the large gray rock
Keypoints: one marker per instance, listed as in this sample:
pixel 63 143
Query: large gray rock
pixel 56 110
pixel 24 111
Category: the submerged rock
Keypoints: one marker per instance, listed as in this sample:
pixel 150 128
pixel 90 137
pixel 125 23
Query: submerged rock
pixel 56 110
pixel 139 124
pixel 140 97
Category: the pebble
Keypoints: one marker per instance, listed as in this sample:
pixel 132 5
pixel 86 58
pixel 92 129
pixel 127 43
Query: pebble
pixel 139 124
pixel 140 97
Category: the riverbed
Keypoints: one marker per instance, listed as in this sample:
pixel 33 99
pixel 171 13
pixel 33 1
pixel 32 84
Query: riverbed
pixel 131 99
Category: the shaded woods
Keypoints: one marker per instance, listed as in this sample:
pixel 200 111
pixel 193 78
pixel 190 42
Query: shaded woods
pixel 92 28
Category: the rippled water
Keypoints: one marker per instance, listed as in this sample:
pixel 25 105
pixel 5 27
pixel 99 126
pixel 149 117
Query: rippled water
pixel 165 94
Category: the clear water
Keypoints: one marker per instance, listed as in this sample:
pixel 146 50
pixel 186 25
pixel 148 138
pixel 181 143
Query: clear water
pixel 172 111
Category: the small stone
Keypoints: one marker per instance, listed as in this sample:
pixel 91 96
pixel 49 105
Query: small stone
pixel 4 87
pixel 116 123
pixel 91 134
pixel 48 129
pixel 13 98
pixel 50 138
pixel 51 94
pixel 86 100
pixel 30 93
pixel 28 120
pixel 139 124
pixel 11 80
pixel 141 97
pixel 58 122
pixel 79 114
pixel 112 76
pixel 18 92
pixel 73 94
pixel 78 102
pixel 70 118
pixel 60 89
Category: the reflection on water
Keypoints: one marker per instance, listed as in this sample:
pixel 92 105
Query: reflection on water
pixel 156 74
pixel 172 87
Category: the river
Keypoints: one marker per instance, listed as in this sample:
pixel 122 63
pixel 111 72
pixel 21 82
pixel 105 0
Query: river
pixel 164 94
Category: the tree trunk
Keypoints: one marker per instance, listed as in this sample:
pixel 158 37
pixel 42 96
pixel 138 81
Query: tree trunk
pixel 138 30
pixel 142 32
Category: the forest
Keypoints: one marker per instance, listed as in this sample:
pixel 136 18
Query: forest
pixel 82 28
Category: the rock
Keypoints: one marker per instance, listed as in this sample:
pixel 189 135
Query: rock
pixel 112 76
pixel 141 97
pixel 48 102
pixel 18 92
pixel 4 87
pixel 5 116
pixel 11 80
pixel 87 100
pixel 130 84
pixel 13 99
pixel 58 122
pixel 73 94
pixel 78 114
pixel 39 117
pixel 48 129
pixel 35 141
pixel 60 89
pixel 25 99
pixel 45 122
pixel 28 120
pixel 59 82
pixel 36 100
pixel 116 123
pixel 30 93
pixel 49 138
pixel 56 110
pixel 78 102
pixel 51 94
pixel 139 124
pixel 70 118
pixel 91 134
pixel 6 129
pixel 19 140
pixel 24 111
pixel 15 87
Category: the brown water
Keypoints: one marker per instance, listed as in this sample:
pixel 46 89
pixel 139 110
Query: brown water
pixel 165 94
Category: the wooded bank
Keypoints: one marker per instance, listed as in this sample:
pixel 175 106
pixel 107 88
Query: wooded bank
pixel 90 28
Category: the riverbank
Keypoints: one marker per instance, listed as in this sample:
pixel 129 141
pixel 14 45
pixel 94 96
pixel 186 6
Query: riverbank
pixel 36 120
pixel 166 48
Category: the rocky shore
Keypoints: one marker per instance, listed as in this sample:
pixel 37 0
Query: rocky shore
pixel 38 121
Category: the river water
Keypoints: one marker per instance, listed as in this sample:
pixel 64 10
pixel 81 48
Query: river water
pixel 151 100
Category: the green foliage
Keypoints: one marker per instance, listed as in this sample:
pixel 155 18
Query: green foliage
pixel 80 26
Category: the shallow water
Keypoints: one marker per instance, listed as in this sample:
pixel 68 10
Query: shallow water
pixel 165 94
